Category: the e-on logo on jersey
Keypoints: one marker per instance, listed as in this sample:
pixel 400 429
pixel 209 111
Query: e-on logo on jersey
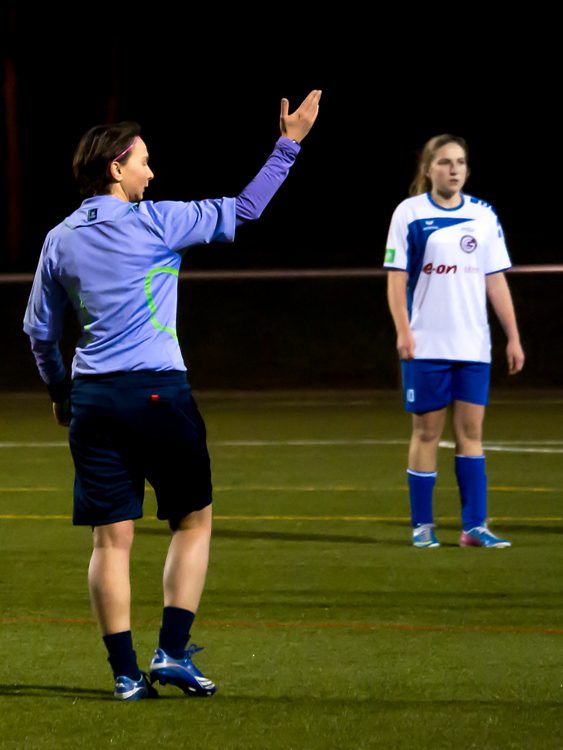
pixel 468 243
pixel 429 268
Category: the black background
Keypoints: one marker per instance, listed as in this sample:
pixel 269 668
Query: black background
pixel 205 84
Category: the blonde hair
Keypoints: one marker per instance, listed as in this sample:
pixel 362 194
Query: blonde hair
pixel 421 183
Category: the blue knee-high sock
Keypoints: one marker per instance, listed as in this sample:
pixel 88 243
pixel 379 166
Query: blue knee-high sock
pixel 421 486
pixel 472 482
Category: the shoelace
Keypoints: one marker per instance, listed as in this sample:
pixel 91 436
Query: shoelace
pixel 193 649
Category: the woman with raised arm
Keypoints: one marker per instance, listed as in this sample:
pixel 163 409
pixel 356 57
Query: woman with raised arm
pixel 131 413
pixel 446 254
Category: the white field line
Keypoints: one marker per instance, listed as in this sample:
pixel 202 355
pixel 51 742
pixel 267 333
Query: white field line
pixel 511 446
pixel 517 447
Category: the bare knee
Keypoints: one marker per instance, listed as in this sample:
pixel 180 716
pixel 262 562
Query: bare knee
pixel 197 520
pixel 469 431
pixel 426 435
pixel 468 427
pixel 468 424
pixel 427 428
pixel 114 536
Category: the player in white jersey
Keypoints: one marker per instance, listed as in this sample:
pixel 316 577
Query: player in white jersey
pixel 446 255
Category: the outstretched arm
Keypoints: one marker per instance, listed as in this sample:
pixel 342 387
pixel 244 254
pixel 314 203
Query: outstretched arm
pixel 256 196
pixel 501 300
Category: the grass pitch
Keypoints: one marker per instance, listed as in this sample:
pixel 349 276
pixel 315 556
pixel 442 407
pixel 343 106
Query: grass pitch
pixel 323 627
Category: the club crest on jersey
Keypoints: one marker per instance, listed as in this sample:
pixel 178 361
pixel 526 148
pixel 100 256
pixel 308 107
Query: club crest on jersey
pixel 468 243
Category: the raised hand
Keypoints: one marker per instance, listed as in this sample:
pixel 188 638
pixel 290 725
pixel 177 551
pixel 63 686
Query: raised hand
pixel 297 125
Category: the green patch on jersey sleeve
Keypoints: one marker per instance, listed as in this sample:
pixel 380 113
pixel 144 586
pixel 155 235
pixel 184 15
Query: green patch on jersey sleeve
pixel 389 255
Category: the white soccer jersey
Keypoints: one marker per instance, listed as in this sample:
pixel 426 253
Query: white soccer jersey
pixel 447 253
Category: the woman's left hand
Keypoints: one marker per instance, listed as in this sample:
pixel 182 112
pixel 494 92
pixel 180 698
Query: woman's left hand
pixel 62 413
pixel 297 125
pixel 515 356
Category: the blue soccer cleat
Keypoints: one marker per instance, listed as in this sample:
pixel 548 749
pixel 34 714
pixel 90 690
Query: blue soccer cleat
pixel 423 536
pixel 180 672
pixel 480 536
pixel 127 689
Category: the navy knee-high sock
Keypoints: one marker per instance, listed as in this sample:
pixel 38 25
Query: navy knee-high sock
pixel 472 482
pixel 175 631
pixel 122 657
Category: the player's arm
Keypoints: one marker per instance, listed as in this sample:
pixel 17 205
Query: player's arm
pixel 256 196
pixel 43 323
pixel 397 297
pixel 501 300
pixel 52 370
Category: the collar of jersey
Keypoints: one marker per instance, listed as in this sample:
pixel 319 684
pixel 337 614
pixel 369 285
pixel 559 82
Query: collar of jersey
pixel 461 205
pixel 109 208
pixel 105 200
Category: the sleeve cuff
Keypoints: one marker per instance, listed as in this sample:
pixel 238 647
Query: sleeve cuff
pixel 500 270
pixel 288 144
pixel 60 392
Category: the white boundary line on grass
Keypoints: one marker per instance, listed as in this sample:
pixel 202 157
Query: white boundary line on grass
pixel 510 446
pixel 517 447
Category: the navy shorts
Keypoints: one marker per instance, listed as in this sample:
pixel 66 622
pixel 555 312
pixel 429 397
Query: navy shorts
pixel 135 426
pixel 432 384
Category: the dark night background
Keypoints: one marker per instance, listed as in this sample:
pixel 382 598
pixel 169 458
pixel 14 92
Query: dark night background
pixel 206 89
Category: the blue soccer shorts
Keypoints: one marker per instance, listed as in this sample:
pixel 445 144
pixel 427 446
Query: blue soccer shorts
pixel 130 427
pixel 432 384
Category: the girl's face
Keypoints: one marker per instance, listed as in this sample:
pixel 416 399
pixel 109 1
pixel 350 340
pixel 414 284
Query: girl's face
pixel 134 176
pixel 448 170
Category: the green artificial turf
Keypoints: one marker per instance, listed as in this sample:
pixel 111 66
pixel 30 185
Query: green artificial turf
pixel 323 627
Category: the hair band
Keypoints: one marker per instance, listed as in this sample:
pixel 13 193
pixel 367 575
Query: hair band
pixel 127 149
